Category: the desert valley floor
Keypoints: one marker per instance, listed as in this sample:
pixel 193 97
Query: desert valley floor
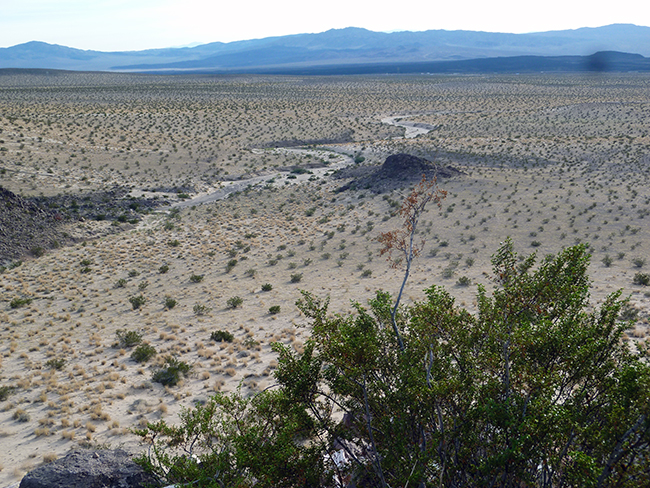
pixel 109 237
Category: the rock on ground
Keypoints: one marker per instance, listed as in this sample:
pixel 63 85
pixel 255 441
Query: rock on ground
pixel 90 469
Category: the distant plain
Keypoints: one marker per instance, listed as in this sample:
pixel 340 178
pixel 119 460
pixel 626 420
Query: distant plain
pixel 549 160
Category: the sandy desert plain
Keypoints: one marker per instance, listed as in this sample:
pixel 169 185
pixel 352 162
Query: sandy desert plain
pixel 551 160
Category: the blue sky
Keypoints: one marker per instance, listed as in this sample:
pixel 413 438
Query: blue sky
pixel 115 25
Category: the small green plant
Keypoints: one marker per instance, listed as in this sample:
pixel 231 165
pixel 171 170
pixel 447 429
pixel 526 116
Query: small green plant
pixel 535 244
pixel 642 279
pixel 222 336
pixel 37 251
pixel 296 277
pixel 607 260
pixel 200 309
pixel 251 272
pixel 19 302
pixel 143 353
pixel 196 278
pixel 121 283
pixel 173 243
pixel 267 287
pixel 57 364
pixel 366 273
pixel 172 372
pixel 274 309
pixel 143 285
pixel 235 302
pixel 5 391
pixel 137 301
pixel 638 262
pixel 464 281
pixel 128 338
pixel 133 273
pixel 230 265
pixel 170 303
pixel 163 269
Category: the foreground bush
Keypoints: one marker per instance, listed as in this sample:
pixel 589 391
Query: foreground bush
pixel 537 389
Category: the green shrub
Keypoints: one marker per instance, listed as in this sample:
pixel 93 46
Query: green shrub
pixel 121 283
pixel 19 302
pixel 638 262
pixel 194 278
pixel 230 265
pixel 607 260
pixel 133 273
pixel 143 353
pixel 222 336
pixel 642 279
pixel 173 243
pixel 508 396
pixel 274 309
pixel 5 391
pixel 464 281
pixel 172 372
pixel 128 338
pixel 251 272
pixel 200 309
pixel 296 277
pixel 267 287
pixel 57 363
pixel 37 251
pixel 170 303
pixel 366 273
pixel 137 301
pixel 163 269
pixel 235 302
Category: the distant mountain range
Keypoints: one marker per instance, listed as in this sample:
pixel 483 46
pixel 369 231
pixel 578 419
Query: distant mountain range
pixel 619 47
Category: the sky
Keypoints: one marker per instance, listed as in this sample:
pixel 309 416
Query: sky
pixel 131 25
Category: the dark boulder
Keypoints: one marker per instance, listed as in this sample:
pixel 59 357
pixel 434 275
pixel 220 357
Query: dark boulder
pixel 90 469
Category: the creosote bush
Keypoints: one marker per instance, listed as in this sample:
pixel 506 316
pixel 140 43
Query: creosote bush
pixel 172 372
pixel 536 389
pixel 222 336
pixel 137 301
pixel 19 302
pixel 234 302
pixel 267 287
pixel 128 338
pixel 143 353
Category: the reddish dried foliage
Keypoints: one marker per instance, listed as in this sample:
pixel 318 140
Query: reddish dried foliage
pixel 401 240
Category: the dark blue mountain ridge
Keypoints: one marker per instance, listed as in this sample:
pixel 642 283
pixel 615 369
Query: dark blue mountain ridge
pixel 351 46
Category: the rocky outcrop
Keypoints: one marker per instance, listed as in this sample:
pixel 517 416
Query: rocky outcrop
pixel 90 469
pixel 26 227
pixel 398 171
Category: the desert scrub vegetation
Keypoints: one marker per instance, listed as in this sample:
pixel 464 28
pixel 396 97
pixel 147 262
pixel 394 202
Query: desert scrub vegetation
pixel 234 302
pixel 137 301
pixel 222 336
pixel 538 315
pixel 172 372
pixel 143 353
pixel 127 338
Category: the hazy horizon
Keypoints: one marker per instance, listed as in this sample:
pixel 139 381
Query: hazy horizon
pixel 121 25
